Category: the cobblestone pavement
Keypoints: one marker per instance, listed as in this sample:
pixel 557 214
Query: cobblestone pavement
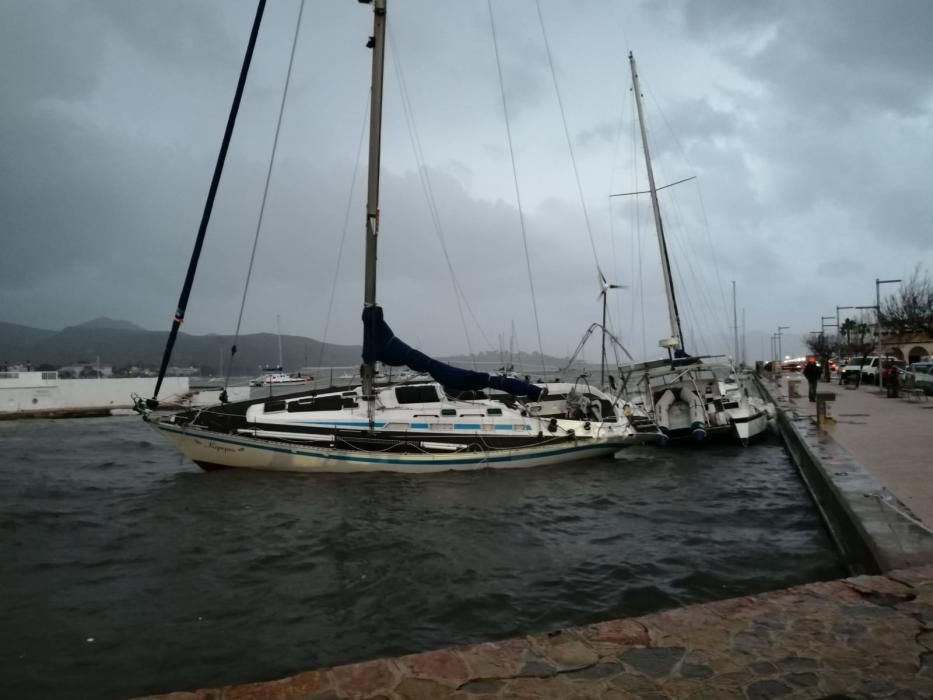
pixel 863 637
pixel 892 438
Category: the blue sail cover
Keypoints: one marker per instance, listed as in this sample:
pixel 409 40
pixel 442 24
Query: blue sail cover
pixel 380 344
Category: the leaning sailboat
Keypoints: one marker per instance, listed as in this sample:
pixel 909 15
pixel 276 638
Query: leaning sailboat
pixel 447 423
pixel 688 396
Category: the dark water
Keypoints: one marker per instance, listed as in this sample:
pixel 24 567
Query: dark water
pixel 185 579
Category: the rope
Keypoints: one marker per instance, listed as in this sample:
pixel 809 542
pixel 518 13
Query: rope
pixel 429 196
pixel 343 236
pixel 563 117
pixel 518 197
pixel 265 192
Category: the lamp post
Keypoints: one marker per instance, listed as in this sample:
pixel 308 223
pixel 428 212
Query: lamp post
pixel 779 348
pixel 878 283
pixel 838 326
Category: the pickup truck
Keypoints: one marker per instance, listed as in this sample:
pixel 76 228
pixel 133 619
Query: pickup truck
pixel 869 367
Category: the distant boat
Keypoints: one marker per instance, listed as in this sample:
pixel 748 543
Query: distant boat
pixel 281 379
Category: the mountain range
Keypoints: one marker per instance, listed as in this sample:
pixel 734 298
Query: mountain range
pixel 122 344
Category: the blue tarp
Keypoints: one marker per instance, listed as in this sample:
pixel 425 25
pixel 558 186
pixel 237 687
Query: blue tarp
pixel 381 345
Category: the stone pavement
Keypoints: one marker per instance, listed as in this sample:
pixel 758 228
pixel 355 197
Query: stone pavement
pixel 863 637
pixel 892 438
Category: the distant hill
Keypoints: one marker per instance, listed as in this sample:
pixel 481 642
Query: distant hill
pixel 104 322
pixel 121 344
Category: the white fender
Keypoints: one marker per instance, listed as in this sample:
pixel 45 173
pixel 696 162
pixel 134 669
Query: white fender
pixel 697 412
pixel 662 410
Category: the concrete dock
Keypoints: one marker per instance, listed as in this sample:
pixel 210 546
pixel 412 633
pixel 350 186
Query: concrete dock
pixel 892 438
pixel 867 636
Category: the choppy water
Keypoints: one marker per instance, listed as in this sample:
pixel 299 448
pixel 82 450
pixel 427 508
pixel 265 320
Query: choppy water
pixel 186 579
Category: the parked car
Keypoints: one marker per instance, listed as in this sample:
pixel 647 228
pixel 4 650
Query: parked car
pixel 890 367
pixel 921 375
pixel 869 367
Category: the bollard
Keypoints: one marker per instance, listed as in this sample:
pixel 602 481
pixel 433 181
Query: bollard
pixel 793 388
pixel 824 411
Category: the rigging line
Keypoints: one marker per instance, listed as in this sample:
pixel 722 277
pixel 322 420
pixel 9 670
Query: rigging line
pixel 683 241
pixel 518 197
pixel 709 239
pixel 265 192
pixel 693 251
pixel 656 189
pixel 208 206
pixel 563 117
pixel 612 236
pixel 636 216
pixel 702 290
pixel 343 235
pixel 425 179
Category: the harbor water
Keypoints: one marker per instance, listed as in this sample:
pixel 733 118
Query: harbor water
pixel 126 570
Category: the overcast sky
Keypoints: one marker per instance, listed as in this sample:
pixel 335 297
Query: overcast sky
pixel 809 127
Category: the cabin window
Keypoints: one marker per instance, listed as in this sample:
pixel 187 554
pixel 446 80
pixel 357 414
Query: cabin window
pixel 448 411
pixel 493 411
pixel 316 403
pixel 273 406
pixel 416 394
pixel 466 394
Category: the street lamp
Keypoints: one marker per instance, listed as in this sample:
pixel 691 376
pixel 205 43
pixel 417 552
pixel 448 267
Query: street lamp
pixel 780 353
pixel 878 283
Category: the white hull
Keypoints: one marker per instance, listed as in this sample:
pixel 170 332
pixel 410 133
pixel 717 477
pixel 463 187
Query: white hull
pixel 700 399
pixel 215 450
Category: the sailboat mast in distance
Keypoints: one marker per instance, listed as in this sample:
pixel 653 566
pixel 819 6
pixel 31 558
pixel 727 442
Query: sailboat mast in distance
pixel 676 333
pixel 377 44
pixel 278 331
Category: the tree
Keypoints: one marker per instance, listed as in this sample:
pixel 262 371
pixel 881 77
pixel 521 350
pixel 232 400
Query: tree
pixel 822 346
pixel 858 339
pixel 910 309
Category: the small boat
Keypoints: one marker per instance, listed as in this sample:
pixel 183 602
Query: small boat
pixel 281 379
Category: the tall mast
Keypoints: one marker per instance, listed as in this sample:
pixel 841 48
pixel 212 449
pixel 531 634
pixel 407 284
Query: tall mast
pixel 735 327
pixel 278 330
pixel 676 333
pixel 377 43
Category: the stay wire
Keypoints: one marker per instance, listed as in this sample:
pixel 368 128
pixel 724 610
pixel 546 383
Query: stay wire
pixel 343 235
pixel 709 239
pixel 265 193
pixel 636 218
pixel 518 197
pixel 208 205
pixel 612 236
pixel 563 117
pixel 429 196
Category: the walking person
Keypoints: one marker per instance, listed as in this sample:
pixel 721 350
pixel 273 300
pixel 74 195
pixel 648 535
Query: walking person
pixel 812 373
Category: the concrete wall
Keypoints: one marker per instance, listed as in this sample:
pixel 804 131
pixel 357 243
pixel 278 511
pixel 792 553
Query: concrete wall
pixel 37 391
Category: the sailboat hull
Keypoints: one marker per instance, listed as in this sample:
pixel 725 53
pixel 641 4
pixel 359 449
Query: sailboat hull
pixel 211 450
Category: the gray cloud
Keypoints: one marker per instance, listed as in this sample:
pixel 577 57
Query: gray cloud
pixel 808 127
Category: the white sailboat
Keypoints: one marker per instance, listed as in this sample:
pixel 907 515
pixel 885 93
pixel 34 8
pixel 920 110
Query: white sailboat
pixel 418 427
pixel 689 397
pixel 277 376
